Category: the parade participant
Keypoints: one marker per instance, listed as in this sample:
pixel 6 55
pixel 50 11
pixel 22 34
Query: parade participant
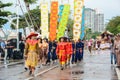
pixel 69 50
pixel 26 41
pixel 45 47
pixel 79 47
pixel 40 51
pixel 53 51
pixel 98 44
pixel 117 50
pixel 74 51
pixel 49 52
pixel 61 52
pixel 90 46
pixel 112 52
pixel 82 46
pixel 31 52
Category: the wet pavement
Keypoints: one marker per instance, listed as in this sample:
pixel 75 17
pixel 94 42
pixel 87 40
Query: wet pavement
pixel 94 67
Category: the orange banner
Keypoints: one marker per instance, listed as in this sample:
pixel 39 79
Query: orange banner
pixel 53 20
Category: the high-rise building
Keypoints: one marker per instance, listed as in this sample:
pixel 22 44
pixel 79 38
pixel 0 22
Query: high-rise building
pixel 99 22
pixel 90 18
pixel 93 20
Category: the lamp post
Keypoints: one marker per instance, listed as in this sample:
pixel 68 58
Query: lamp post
pixel 17 25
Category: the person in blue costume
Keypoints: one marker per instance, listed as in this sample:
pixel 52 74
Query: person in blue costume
pixel 73 55
pixel 49 52
pixel 79 51
pixel 82 46
pixel 53 51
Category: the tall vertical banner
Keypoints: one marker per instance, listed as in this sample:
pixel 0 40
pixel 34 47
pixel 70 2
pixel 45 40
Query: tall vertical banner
pixel 78 5
pixel 61 7
pixel 83 23
pixel 44 20
pixel 63 21
pixel 53 20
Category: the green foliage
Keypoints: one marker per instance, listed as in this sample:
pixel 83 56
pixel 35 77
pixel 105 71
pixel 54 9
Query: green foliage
pixel 3 13
pixel 114 25
pixel 70 28
pixel 95 34
pixel 30 1
pixel 35 15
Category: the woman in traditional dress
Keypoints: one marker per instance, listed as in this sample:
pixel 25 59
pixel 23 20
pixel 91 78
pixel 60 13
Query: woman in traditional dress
pixel 69 51
pixel 31 52
pixel 61 52
pixel 40 50
pixel 45 50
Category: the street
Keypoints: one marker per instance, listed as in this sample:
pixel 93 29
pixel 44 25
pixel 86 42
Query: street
pixel 94 67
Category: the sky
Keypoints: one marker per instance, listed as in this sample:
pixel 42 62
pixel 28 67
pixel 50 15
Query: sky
pixel 110 8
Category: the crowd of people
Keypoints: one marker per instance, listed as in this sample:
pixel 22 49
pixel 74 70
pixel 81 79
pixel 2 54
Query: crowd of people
pixel 7 49
pixel 43 52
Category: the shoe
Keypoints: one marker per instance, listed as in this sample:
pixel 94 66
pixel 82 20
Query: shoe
pixel 26 69
pixel 61 68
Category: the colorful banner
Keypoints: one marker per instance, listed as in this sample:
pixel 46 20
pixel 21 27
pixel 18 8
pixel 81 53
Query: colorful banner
pixel 44 20
pixel 63 21
pixel 53 20
pixel 83 23
pixel 78 5
pixel 60 12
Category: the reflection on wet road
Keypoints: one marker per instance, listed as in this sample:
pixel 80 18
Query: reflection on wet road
pixel 93 67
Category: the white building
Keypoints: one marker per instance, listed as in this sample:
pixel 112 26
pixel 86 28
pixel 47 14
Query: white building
pixel 90 18
pixel 99 22
pixel 94 20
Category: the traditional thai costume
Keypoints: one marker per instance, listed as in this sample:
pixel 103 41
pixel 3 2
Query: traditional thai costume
pixel 78 54
pixel 69 51
pixel 53 51
pixel 31 50
pixel 62 53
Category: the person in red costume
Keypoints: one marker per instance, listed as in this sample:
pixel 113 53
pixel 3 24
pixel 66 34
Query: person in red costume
pixel 61 52
pixel 69 51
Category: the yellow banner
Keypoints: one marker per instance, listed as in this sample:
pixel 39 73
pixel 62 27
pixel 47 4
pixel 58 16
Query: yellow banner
pixel 44 20
pixel 63 21
pixel 53 20
pixel 78 5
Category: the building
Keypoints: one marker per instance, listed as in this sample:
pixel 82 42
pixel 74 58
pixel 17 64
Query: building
pixel 90 18
pixel 94 20
pixel 99 22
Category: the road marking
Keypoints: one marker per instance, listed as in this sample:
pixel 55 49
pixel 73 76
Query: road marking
pixel 118 73
pixel 42 72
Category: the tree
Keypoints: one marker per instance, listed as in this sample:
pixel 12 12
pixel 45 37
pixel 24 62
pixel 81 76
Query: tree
pixel 95 34
pixel 70 28
pixel 31 17
pixel 4 14
pixel 23 24
pixel 114 25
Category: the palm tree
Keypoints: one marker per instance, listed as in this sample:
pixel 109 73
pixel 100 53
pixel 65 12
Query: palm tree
pixel 28 2
pixel 31 17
